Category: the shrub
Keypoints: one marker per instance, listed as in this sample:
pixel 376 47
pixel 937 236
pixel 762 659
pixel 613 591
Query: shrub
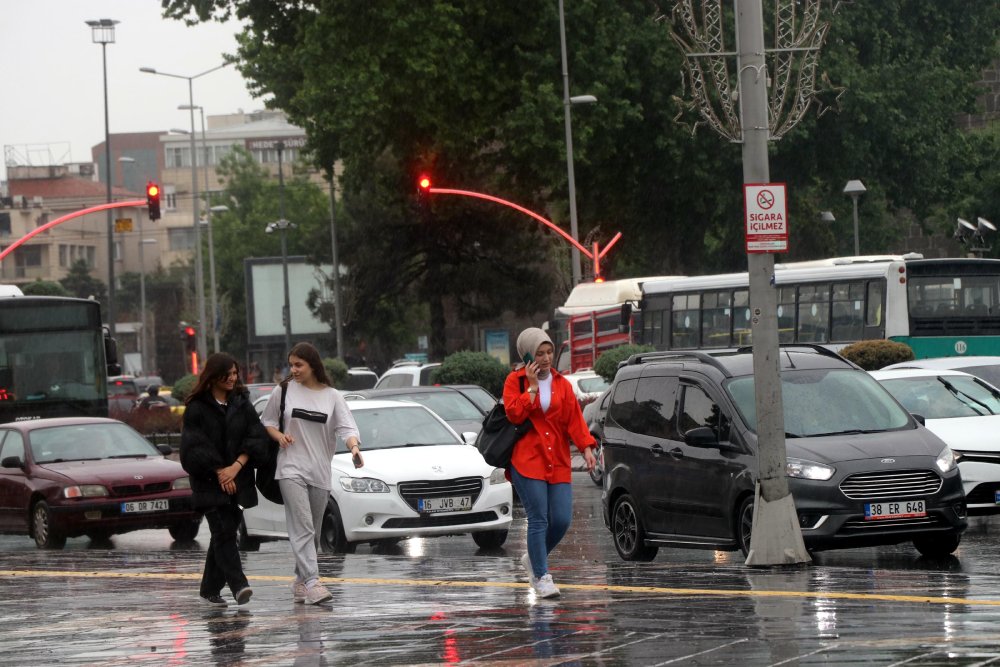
pixel 607 363
pixel 872 355
pixel 472 368
pixel 183 387
pixel 337 372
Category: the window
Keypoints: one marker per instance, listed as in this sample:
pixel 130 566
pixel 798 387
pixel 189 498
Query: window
pixel 118 251
pixel 814 314
pixel 655 403
pixel 63 255
pixel 685 321
pixel 13 445
pixel 177 156
pixel 701 410
pixel 786 315
pixel 180 238
pixel 5 224
pixel 847 318
pixel 716 318
pixel 170 197
pixel 91 256
pixel 622 408
pixel 742 334
pixel 873 315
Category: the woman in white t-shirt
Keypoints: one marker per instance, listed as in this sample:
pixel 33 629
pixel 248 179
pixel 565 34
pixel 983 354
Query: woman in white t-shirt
pixel 315 416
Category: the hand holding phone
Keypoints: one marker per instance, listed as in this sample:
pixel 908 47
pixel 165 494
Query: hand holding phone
pixel 528 358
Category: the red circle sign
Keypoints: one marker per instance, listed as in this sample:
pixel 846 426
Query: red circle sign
pixel 765 199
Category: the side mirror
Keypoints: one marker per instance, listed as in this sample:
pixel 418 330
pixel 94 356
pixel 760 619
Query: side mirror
pixel 469 437
pixel 626 318
pixel 111 355
pixel 919 418
pixel 12 462
pixel 166 450
pixel 701 436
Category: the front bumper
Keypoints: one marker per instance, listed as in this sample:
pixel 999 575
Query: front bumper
pixel 80 516
pixel 981 481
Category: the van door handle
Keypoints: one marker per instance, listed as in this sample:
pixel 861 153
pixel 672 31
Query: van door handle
pixel 656 450
pixel 676 453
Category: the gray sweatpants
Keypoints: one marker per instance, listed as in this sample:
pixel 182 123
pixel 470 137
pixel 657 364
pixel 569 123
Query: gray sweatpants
pixel 304 508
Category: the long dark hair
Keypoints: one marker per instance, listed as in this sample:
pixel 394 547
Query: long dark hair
pixel 309 354
pixel 217 366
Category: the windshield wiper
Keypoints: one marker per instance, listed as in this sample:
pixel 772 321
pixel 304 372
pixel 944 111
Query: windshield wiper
pixel 850 431
pixel 959 393
pixel 792 435
pixel 128 456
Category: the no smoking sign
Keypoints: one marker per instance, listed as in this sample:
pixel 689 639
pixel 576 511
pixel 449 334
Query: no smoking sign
pixel 766 217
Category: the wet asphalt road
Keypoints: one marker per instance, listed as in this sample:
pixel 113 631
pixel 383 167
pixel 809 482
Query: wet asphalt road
pixel 133 601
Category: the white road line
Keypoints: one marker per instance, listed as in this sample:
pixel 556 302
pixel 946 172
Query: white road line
pixel 692 655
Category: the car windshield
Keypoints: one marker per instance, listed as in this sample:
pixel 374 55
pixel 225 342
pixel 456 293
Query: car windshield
pixel 483 399
pixel 593 385
pixel 825 402
pixel 944 396
pixel 84 442
pixel 448 405
pixel 389 427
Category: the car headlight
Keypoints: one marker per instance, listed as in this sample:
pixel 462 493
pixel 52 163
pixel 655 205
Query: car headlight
pixel 808 470
pixel 946 460
pixel 181 483
pixel 85 491
pixel 498 477
pixel 363 485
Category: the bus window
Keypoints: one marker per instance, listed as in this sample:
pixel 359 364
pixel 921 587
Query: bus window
pixel 742 334
pixel 786 315
pixel 716 318
pixel 873 314
pixel 684 321
pixel 814 314
pixel 847 321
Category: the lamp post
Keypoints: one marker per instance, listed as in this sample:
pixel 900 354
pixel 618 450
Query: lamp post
pixel 198 269
pixel 142 278
pixel 567 103
pixel 286 314
pixel 855 189
pixel 103 33
pixel 338 323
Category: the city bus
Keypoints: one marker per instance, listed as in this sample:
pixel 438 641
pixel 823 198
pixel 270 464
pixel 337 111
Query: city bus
pixel 596 317
pixel 939 307
pixel 55 358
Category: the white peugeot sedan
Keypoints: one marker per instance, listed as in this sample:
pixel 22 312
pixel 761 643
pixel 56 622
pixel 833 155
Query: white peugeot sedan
pixel 419 480
pixel 964 411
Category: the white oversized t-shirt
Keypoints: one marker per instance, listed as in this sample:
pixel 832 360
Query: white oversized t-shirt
pixel 308 457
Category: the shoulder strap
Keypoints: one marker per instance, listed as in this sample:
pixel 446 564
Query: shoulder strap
pixel 281 407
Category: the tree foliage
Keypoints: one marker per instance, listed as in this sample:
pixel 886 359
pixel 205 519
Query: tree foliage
pixel 44 288
pixel 467 367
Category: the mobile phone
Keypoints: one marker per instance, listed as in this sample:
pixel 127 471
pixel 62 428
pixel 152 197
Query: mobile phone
pixel 528 358
pixel 356 459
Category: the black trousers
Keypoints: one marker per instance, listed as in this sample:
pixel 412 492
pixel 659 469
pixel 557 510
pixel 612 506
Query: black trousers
pixel 223 565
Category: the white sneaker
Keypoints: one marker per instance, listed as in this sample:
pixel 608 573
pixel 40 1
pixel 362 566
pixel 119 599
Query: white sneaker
pixel 298 591
pixel 317 594
pixel 526 564
pixel 545 588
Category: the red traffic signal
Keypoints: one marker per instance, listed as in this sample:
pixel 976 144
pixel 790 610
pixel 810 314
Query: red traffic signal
pixel 189 336
pixel 425 184
pixel 153 200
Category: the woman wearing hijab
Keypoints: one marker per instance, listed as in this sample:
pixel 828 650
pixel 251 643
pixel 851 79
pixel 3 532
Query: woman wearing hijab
pixel 540 465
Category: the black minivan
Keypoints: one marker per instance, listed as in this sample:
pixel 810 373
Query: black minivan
pixel 680 459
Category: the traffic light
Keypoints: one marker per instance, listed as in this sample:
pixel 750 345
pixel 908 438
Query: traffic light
pixel 190 338
pixel 153 200
pixel 424 191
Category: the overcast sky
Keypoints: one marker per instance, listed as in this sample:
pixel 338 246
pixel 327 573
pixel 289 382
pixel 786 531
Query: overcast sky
pixel 52 104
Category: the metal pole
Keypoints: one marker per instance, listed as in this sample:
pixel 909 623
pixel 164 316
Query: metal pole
pixel 142 300
pixel 111 227
pixel 286 313
pixel 338 323
pixel 211 244
pixel 857 245
pixel 573 230
pixel 776 538
pixel 199 277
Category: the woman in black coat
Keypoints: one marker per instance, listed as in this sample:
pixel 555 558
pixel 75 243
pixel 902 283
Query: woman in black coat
pixel 221 443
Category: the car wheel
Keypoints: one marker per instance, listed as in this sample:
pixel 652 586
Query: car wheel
pixel 244 541
pixel 185 532
pixel 46 537
pixel 490 539
pixel 332 538
pixel 937 546
pixel 744 525
pixel 628 533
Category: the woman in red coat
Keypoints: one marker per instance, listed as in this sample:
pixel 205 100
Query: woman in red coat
pixel 540 466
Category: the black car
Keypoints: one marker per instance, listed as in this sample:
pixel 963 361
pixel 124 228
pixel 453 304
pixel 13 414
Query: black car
pixel 680 457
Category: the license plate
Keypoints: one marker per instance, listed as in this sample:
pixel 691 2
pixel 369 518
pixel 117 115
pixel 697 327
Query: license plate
pixel 449 504
pixel 895 509
pixel 136 506
pixel 996 497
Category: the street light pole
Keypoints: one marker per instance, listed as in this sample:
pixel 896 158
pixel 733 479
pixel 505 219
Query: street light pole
pixel 855 189
pixel 573 229
pixel 103 33
pixel 338 323
pixel 286 314
pixel 198 267
pixel 143 355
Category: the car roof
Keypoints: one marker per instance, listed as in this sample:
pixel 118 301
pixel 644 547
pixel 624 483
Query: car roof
pixel 32 424
pixel 396 391
pixel 946 362
pixel 739 363
pixel 896 373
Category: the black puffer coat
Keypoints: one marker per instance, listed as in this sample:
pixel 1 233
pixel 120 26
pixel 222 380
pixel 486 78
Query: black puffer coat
pixel 212 438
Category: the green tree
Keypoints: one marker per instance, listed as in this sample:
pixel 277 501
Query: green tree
pixel 472 368
pixel 44 288
pixel 79 283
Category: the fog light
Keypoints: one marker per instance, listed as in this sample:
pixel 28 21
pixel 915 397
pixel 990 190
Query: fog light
pixel 504 509
pixel 369 520
pixel 809 520
pixel 960 510
pixel 92 515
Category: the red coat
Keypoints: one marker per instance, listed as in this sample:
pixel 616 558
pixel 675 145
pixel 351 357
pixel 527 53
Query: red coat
pixel 543 452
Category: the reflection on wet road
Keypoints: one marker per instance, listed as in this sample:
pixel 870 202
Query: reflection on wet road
pixel 133 600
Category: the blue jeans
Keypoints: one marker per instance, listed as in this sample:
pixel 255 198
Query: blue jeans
pixel 549 508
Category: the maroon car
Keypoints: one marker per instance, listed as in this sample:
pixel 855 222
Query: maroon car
pixel 76 476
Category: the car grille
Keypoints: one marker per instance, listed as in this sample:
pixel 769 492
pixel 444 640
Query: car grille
pixel 433 520
pixel 860 525
pixel 139 489
pixel 891 485
pixel 411 492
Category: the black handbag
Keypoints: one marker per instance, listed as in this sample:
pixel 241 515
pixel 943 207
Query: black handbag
pixel 266 483
pixel 498 436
